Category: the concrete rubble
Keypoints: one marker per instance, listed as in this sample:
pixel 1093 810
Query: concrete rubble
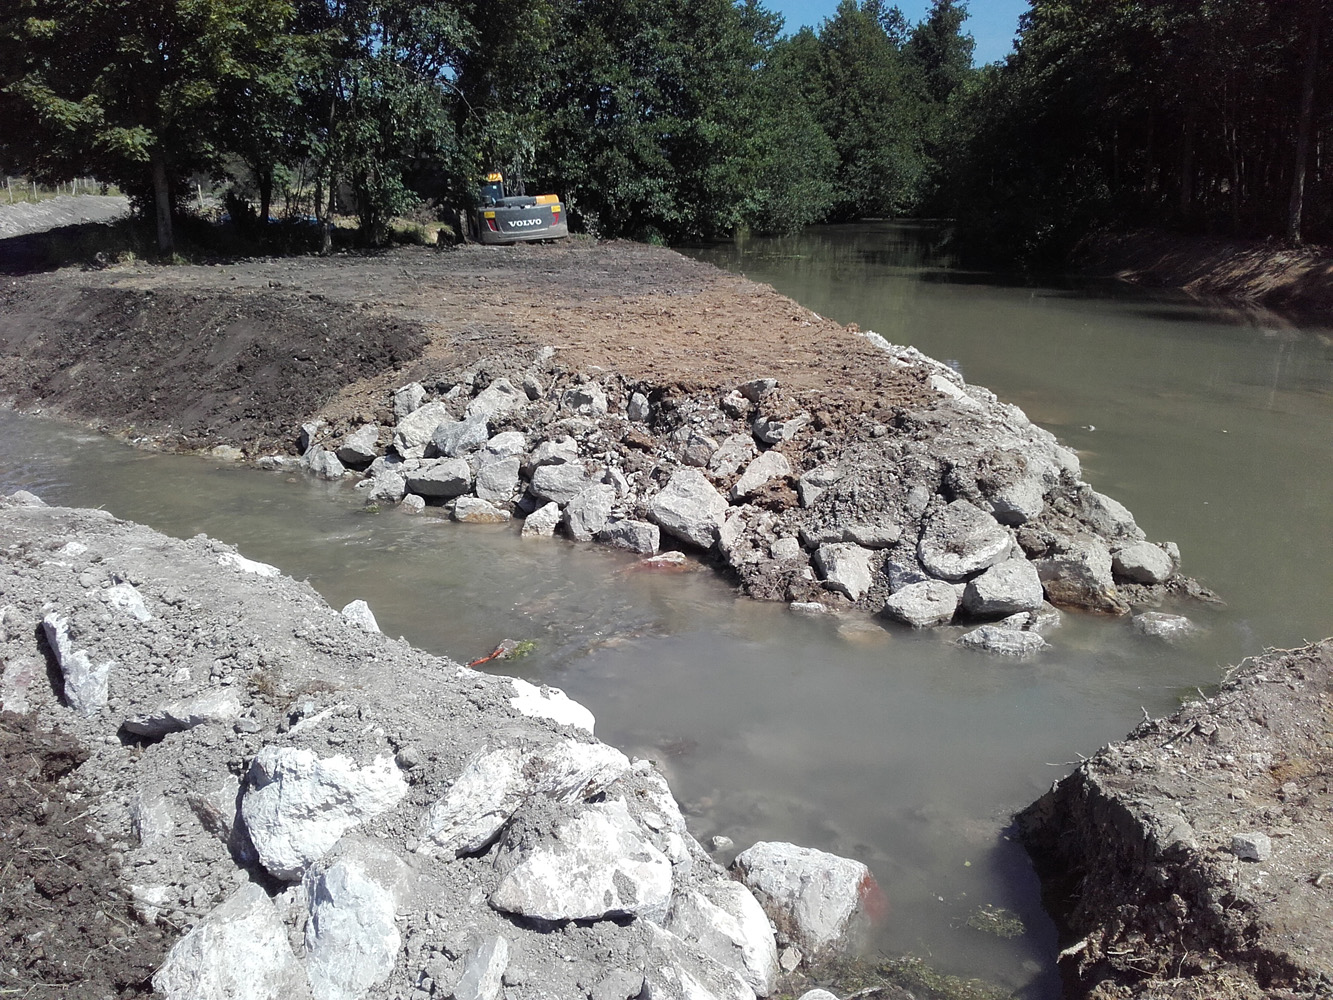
pixel 960 511
pixel 309 809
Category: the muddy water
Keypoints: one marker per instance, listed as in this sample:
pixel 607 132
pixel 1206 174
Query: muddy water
pixel 883 745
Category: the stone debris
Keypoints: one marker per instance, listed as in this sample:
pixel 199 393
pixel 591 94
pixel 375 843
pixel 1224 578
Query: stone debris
pixel 768 466
pixel 844 567
pixel 360 447
pixel 210 708
pixel 588 512
pixel 1161 625
pixel 452 438
pixel 352 938
pixel 961 540
pixel 922 605
pixel 542 522
pixel 85 686
pixel 689 508
pixel 1144 562
pixel 239 951
pixel 727 923
pixel 296 805
pixel 544 702
pixel 483 970
pixel 125 598
pixel 1252 846
pixel 1002 641
pixel 237 561
pixel 812 897
pixel 443 478
pixel 475 510
pixel 1007 588
pixel 358 613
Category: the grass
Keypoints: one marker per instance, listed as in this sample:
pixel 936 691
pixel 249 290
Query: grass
pixel 22 191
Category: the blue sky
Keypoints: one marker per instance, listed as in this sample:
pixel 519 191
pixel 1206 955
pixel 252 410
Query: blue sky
pixel 992 23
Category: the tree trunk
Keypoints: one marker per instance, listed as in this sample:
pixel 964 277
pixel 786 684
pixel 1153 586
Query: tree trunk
pixel 264 176
pixel 1296 205
pixel 166 243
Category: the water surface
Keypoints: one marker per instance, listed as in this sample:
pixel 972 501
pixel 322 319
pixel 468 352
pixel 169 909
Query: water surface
pixel 882 744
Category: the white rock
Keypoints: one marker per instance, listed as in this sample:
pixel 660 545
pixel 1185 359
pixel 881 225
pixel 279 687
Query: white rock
pixel 414 430
pixel 587 513
pixel 771 430
pixel 844 567
pixel 547 702
pixel 495 782
pixel 638 407
pixel 872 536
pixel 961 539
pixel 560 483
pixel 1143 562
pixel 587 400
pixel 445 477
pixel 554 452
pixel 388 486
pixel 591 863
pixel 676 971
pixel 237 561
pixel 1107 517
pixel 785 548
pixel 497 480
pixel 323 463
pixel 818 995
pixel 85 686
pixel 541 522
pixel 1002 641
pixel 474 510
pixel 412 504
pixel 125 598
pixel 296 806
pixel 496 400
pixel 506 444
pixel 689 508
pixel 238 952
pixel 1161 625
pixel 1007 588
pixel 812 897
pixel 637 536
pixel 358 613
pixel 923 605
pixel 483 970
pixel 734 452
pixel 23 498
pixel 352 938
pixel 764 469
pixel 726 922
pixel 407 399
pixel 209 708
pixel 361 446
pixel 457 437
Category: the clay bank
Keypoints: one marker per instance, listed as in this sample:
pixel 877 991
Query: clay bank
pixel 615 394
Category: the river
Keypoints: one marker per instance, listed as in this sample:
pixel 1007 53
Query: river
pixel 1211 424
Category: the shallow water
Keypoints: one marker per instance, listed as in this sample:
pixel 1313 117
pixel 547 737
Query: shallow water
pixel 889 746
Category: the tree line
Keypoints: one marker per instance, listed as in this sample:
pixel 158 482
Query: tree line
pixel 690 119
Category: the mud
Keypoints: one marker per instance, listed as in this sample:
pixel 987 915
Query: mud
pixel 1139 852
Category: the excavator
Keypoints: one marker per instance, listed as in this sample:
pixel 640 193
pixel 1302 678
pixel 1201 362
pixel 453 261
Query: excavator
pixel 504 217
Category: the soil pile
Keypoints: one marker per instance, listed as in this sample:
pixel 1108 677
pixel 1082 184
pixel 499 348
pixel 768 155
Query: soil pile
pixel 1192 859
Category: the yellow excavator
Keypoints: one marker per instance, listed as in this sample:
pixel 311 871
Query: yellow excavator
pixel 504 217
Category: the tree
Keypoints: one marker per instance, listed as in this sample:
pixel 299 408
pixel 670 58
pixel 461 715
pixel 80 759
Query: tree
pixel 128 89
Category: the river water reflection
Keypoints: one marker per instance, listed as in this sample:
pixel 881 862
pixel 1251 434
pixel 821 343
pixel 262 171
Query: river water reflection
pixel 892 747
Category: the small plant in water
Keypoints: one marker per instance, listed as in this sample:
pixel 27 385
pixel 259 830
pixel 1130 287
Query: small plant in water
pixel 521 649
pixel 996 920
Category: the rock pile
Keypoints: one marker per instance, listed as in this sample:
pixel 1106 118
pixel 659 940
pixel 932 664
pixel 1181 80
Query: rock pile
pixel 316 810
pixel 959 509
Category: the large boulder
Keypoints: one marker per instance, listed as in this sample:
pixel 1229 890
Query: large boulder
pixel 352 939
pixel 726 922
pixel 474 510
pixel 767 467
pixel 458 437
pixel 499 398
pixel 1005 589
pixel 813 898
pixel 239 951
pixel 541 523
pixel 1081 577
pixel 497 481
pixel 844 567
pixel 85 682
pixel 360 447
pixel 626 533
pixel 210 708
pixel 560 483
pixel 413 431
pixel 580 862
pixel 587 400
pixel 296 806
pixel 444 477
pixel 960 540
pixel 1143 562
pixel 923 604
pixel 1002 641
pixel 689 508
pixel 735 451
pixel 407 399
pixel 587 513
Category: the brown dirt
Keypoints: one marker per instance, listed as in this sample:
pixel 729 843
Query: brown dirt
pixel 1270 273
pixel 1137 845
pixel 67 923
pixel 241 353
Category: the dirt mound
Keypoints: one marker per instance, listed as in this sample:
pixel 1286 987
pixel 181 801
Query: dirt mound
pixel 66 918
pixel 1192 859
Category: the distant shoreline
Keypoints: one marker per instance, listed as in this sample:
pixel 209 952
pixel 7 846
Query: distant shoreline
pixel 1262 272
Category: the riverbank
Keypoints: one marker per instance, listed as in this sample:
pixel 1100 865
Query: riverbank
pixel 1191 859
pixel 1268 273
pixel 629 394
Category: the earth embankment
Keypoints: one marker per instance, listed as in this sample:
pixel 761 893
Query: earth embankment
pixel 1269 273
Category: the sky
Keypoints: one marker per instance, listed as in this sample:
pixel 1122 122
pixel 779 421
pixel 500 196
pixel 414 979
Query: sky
pixel 992 23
